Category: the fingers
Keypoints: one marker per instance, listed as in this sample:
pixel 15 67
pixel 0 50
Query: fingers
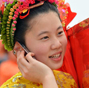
pixel 21 59
pixel 24 63
pixel 24 66
pixel 30 57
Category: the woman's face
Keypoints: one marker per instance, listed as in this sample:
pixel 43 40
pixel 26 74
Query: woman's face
pixel 47 40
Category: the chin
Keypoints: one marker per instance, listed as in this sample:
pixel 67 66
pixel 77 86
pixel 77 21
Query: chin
pixel 56 67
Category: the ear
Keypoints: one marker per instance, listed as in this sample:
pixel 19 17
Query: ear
pixel 17 47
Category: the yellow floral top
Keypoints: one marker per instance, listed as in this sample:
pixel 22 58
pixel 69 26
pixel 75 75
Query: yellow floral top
pixel 64 80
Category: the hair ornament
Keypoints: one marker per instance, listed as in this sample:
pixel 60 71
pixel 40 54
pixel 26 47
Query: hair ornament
pixel 11 12
pixel 25 9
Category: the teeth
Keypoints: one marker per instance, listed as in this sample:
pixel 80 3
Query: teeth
pixel 55 56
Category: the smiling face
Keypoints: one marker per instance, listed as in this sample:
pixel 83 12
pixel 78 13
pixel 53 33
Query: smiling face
pixel 47 40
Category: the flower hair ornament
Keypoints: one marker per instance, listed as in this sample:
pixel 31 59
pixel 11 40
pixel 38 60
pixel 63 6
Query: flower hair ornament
pixel 13 9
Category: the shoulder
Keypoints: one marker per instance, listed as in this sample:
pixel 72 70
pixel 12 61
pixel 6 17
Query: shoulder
pixel 64 79
pixel 62 74
pixel 18 81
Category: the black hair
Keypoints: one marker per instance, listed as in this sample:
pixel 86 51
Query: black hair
pixel 22 24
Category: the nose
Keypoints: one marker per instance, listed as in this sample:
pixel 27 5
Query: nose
pixel 56 43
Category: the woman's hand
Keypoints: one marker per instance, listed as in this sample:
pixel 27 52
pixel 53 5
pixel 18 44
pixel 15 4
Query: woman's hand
pixel 35 71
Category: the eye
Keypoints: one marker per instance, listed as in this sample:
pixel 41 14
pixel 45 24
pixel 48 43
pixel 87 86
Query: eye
pixel 59 33
pixel 46 37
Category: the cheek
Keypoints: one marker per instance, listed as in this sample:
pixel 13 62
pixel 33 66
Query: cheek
pixel 64 43
pixel 38 48
pixel 41 51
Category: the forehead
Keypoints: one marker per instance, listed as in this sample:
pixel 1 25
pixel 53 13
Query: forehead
pixel 43 19
pixel 47 22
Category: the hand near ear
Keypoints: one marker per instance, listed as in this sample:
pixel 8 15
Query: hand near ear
pixel 32 69
pixel 35 71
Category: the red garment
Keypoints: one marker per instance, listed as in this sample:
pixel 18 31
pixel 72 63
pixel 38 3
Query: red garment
pixel 76 60
pixel 68 64
pixel 79 41
pixel 77 54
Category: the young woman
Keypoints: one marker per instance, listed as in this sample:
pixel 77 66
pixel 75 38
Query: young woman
pixel 36 26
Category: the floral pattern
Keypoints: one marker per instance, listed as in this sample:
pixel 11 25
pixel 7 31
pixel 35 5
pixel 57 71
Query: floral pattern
pixel 64 80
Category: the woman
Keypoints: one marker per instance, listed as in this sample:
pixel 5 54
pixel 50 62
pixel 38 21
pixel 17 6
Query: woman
pixel 39 28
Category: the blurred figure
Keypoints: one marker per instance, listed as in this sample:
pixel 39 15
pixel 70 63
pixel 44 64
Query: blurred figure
pixel 12 67
pixel 3 53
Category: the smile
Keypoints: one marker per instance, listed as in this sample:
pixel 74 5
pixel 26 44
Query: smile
pixel 55 56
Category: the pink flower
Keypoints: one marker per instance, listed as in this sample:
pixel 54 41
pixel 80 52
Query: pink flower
pixel 11 2
pixel 32 1
pixel 14 18
pixel 15 22
pixel 63 10
pixel 16 12
pixel 14 29
pixel 13 25
pixel 4 0
pixel 22 0
pixel 51 1
pixel 57 2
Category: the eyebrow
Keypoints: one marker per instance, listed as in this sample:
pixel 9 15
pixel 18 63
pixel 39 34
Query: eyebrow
pixel 47 31
pixel 59 27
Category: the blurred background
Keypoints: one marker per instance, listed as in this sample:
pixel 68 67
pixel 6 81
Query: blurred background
pixel 8 64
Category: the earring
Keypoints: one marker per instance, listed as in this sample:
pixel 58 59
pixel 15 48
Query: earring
pixel 14 52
